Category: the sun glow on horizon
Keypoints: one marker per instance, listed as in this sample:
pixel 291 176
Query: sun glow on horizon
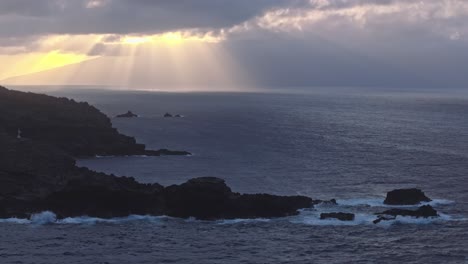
pixel 170 61
pixel 18 65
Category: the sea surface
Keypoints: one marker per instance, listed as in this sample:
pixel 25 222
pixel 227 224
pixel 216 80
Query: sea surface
pixel 349 145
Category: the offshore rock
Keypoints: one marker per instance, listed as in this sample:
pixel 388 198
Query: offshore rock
pixel 424 211
pixel 339 216
pixel 406 197
pixel 129 114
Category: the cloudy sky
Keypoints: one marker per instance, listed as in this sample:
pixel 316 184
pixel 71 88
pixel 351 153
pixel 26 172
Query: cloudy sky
pixel 268 43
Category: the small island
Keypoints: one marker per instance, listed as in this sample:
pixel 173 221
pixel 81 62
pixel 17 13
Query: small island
pixel 129 114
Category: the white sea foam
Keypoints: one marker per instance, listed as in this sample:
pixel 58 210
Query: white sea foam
pixel 48 217
pixel 43 218
pixel 94 220
pixel 313 218
pixel 242 221
pixel 125 156
pixel 306 216
pixel 15 221
pixel 379 202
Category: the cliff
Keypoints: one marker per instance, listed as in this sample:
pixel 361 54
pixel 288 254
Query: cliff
pixel 75 127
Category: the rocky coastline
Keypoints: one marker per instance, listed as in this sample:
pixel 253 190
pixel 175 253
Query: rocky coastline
pixel 40 137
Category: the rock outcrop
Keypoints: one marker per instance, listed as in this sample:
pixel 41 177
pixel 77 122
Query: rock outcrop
pixel 424 211
pixel 210 198
pixel 406 197
pixel 339 216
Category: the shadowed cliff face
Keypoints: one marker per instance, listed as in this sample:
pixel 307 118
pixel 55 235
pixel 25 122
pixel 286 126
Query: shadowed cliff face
pixel 77 128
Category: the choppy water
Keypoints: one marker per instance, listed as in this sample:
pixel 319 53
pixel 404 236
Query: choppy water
pixel 351 146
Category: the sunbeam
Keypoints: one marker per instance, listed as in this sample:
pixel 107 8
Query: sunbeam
pixel 173 61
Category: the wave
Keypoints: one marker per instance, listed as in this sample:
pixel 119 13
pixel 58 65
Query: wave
pixel 125 156
pixel 310 216
pixel 379 202
pixel 47 217
pixel 15 221
pixel 242 221
pixel 367 219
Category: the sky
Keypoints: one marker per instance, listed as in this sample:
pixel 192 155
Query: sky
pixel 232 44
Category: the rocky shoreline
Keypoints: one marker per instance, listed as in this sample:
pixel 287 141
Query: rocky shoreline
pixel 40 137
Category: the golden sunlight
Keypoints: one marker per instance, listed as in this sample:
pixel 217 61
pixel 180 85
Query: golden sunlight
pixel 23 64
pixel 169 61
pixel 169 38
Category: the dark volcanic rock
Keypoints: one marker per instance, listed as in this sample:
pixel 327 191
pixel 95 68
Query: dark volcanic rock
pixel 326 202
pixel 210 198
pixel 339 216
pixel 423 211
pixel 105 198
pixel 129 114
pixel 166 152
pixel 406 197
pixel 203 198
pixel 35 177
pixel 38 171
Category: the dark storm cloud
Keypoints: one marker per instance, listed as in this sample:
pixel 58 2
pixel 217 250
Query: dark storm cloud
pixel 38 17
pixel 28 7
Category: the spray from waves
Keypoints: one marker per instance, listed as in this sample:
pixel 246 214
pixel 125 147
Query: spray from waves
pixel 313 219
pixel 43 218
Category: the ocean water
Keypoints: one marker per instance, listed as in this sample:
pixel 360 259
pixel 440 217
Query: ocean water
pixel 352 146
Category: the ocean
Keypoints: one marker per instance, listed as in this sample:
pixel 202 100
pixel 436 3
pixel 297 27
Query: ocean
pixel 350 145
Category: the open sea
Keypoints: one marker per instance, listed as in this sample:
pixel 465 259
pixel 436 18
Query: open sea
pixel 350 145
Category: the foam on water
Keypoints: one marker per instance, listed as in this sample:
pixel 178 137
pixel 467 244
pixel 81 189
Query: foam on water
pixel 313 218
pixel 94 220
pixel 15 221
pixel 48 217
pixel 43 218
pixel 125 156
pixel 379 202
pixel 309 216
pixel 242 221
